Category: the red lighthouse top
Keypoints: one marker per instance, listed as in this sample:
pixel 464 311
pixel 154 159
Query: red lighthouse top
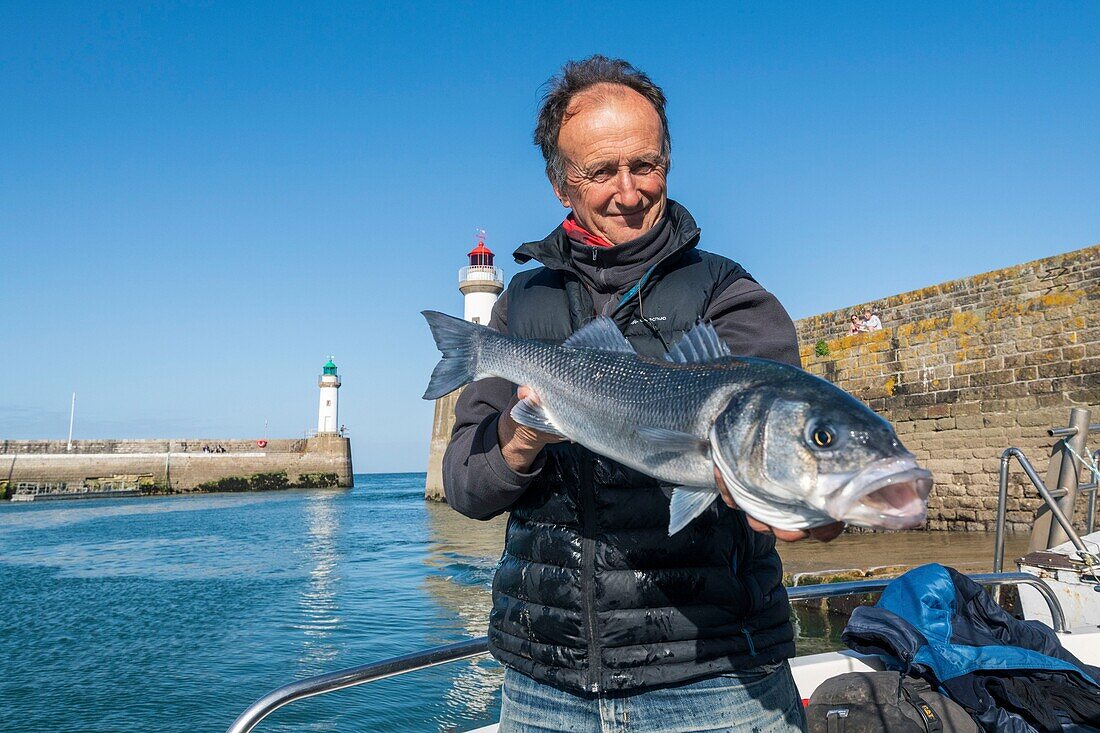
pixel 481 256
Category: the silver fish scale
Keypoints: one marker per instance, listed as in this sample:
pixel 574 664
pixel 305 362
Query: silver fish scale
pixel 598 397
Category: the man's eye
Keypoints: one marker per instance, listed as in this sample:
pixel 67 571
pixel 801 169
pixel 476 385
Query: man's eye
pixel 643 169
pixel 603 174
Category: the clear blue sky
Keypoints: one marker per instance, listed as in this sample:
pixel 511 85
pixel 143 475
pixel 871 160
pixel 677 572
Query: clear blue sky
pixel 200 202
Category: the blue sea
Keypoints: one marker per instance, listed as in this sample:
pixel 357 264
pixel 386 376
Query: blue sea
pixel 175 613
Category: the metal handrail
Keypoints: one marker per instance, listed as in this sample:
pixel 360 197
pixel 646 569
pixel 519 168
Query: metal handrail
pixel 1051 502
pixel 353 676
pixel 488 273
pixel 1090 510
pixel 363 674
pixel 1071 431
pixel 829 590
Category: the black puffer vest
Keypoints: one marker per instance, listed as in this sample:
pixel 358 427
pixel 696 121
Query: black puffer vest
pixel 591 595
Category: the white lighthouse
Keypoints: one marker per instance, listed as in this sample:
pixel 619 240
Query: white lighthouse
pixel 329 382
pixel 480 282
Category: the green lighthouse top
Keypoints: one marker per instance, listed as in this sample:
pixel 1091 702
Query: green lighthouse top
pixel 330 368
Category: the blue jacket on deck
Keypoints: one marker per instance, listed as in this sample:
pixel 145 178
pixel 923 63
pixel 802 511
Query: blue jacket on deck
pixel 1011 675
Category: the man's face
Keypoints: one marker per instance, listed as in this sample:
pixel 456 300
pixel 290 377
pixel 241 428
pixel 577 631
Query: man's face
pixel 614 171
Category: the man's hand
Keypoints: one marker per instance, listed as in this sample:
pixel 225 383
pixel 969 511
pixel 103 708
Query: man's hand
pixel 519 444
pixel 824 533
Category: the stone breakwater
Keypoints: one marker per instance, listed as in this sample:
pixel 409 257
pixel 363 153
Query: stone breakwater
pixel 970 367
pixel 176 466
pixel 963 369
pixel 443 423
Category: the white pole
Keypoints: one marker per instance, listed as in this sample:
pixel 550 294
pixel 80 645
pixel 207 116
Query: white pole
pixel 72 412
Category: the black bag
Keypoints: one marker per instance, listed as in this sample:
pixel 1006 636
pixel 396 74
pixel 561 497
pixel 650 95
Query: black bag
pixel 873 702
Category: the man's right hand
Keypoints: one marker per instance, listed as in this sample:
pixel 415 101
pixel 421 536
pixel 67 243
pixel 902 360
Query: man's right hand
pixel 519 444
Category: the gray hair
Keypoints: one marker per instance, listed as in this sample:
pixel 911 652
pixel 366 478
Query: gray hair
pixel 574 78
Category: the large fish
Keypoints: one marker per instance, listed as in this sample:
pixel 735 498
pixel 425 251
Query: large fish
pixel 794 450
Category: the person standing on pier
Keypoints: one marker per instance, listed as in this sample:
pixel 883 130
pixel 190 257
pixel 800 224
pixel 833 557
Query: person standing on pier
pixel 600 618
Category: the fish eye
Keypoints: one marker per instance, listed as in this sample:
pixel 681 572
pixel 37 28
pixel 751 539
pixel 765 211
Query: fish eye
pixel 821 436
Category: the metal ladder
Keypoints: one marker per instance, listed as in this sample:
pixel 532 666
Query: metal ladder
pixel 1059 502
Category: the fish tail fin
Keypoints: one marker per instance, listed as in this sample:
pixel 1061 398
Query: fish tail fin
pixel 460 343
pixel 688 502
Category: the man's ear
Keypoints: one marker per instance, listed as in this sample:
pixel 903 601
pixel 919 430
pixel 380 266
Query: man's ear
pixel 560 192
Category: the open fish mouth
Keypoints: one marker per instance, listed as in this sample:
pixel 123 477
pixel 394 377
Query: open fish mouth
pixel 891 493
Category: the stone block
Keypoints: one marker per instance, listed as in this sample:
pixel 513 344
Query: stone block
pixel 1007 391
pixel 987 378
pixel 1055 369
pixel 969 422
pixel 1024 374
pixel 942 466
pixel 1045 356
pixel 1036 418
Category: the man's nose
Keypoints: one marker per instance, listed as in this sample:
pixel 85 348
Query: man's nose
pixel 629 196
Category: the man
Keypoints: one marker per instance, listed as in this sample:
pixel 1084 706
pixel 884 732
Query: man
pixel 601 619
pixel 871 321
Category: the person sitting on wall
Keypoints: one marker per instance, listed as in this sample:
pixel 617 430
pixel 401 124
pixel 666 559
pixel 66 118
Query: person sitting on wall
pixel 855 325
pixel 871 321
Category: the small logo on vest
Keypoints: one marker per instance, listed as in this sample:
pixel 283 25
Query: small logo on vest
pixel 654 318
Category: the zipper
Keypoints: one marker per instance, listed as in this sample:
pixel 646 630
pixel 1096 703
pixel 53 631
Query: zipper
pixel 588 569
pixel 645 278
pixel 748 638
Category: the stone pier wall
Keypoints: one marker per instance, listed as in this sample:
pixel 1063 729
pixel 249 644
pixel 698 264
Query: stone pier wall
pixel 175 465
pixel 442 424
pixel 970 367
pixel 963 369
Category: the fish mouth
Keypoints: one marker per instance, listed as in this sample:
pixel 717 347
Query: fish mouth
pixel 891 493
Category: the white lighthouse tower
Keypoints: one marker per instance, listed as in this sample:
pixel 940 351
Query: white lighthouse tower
pixel 329 382
pixel 480 282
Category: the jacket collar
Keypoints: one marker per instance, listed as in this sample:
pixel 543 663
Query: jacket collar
pixel 556 251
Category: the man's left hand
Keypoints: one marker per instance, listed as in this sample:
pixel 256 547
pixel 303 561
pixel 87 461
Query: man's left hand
pixel 825 533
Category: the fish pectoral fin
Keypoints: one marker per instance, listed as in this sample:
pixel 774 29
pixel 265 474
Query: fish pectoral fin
pixel 600 333
pixel 699 345
pixel 687 503
pixel 673 441
pixel 531 415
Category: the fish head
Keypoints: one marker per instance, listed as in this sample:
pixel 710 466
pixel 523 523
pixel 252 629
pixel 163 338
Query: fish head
pixel 813 446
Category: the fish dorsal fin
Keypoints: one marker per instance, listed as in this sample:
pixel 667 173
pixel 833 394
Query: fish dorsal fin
pixel 600 333
pixel 700 344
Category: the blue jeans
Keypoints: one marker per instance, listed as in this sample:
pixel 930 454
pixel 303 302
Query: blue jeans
pixel 760 700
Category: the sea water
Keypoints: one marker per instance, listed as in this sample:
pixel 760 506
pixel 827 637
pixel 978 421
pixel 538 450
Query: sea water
pixel 176 613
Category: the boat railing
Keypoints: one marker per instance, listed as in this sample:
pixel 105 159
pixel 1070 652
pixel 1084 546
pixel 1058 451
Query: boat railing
pixel 363 674
pixel 1069 451
pixel 34 488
